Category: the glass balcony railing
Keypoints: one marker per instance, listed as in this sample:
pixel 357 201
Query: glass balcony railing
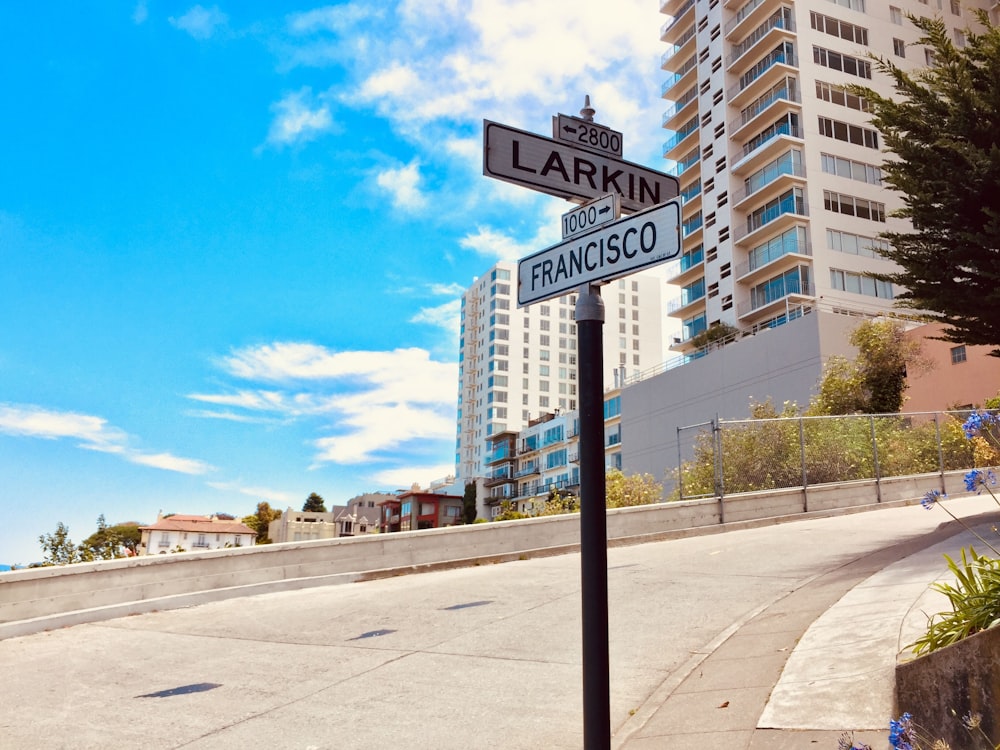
pixel 686 129
pixel 784 55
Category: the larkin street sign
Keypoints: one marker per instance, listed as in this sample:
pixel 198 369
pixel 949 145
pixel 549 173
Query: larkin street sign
pixel 570 171
pixel 590 135
pixel 614 250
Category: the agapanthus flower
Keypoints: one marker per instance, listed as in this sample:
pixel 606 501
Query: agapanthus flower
pixel 978 422
pixel 976 479
pixel 972 720
pixel 846 742
pixel 901 732
pixel 931 497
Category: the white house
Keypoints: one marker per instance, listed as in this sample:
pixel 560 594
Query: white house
pixel 192 534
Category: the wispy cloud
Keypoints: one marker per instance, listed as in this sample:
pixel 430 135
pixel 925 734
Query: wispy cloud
pixel 367 402
pixel 140 13
pixel 91 433
pixel 298 118
pixel 200 22
pixel 339 19
pixel 261 493
pixel 443 316
pixel 403 184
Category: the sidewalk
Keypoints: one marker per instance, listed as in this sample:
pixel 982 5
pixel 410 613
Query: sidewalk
pixel 811 665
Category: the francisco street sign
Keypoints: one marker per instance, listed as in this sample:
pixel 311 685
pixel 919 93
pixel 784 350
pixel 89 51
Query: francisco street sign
pixel 626 246
pixel 589 135
pixel 565 171
pixel 591 215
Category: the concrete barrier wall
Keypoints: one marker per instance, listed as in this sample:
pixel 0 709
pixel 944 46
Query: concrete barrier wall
pixel 29 599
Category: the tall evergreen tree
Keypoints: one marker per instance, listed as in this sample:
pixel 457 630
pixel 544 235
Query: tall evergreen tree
pixel 314 504
pixel 942 128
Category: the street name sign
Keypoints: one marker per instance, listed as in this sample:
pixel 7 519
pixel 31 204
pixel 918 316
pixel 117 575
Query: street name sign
pixel 587 134
pixel 569 171
pixel 591 215
pixel 609 252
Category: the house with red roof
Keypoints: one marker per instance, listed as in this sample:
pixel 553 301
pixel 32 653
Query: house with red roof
pixel 180 533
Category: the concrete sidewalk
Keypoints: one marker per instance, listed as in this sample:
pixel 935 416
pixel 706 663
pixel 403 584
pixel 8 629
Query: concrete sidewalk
pixel 742 639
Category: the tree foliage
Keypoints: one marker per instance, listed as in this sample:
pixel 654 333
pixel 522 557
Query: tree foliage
pixel 58 548
pixel 110 542
pixel 314 504
pixel 875 381
pixel 942 127
pixel 261 520
pixel 635 489
pixel 469 503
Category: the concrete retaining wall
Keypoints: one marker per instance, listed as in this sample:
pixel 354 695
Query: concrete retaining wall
pixel 40 598
pixel 938 689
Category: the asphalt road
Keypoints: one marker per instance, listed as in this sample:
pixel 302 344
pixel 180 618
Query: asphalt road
pixel 479 657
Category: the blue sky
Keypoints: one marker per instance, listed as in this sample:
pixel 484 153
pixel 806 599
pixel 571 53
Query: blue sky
pixel 233 237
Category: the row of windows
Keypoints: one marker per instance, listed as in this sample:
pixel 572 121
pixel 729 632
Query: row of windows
pixel 838 28
pixel 849 281
pixel 854 170
pixel 854 66
pixel 852 206
pixel 855 244
pixel 843 131
pixel 840 96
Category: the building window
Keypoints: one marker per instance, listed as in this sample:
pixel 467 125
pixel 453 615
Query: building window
pixel 845 63
pixel 899 47
pixel 957 354
pixel 852 206
pixel 840 96
pixel 896 15
pixel 856 283
pixel 843 131
pixel 853 170
pixel 858 5
pixel 838 28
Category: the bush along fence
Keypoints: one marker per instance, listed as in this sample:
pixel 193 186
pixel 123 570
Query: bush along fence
pixel 726 457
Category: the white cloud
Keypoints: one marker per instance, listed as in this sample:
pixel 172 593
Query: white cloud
pixel 368 402
pixel 403 184
pixel 141 13
pixel 298 119
pixel 443 316
pixel 262 493
pixel 200 22
pixel 405 476
pixel 335 18
pixel 447 290
pixel 93 433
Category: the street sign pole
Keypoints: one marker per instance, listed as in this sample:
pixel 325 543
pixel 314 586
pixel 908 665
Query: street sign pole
pixel 593 521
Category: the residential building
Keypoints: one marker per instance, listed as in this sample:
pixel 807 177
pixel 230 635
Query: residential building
pixel 419 509
pixel 359 516
pixel 517 364
pixel 779 166
pixel 523 466
pixel 957 375
pixel 175 532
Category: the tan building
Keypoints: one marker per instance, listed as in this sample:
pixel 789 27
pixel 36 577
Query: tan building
pixel 359 516
pixel 960 376
pixel 180 533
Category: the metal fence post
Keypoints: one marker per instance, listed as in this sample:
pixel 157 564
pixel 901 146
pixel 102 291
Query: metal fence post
pixel 720 488
pixel 878 473
pixel 937 433
pixel 680 467
pixel 805 471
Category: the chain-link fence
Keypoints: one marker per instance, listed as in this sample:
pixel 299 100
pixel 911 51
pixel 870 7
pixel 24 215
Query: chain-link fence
pixel 725 457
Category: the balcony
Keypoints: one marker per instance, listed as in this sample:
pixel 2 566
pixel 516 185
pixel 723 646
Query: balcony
pixel 766 145
pixel 778 294
pixel 774 178
pixel 672 28
pixel 777 216
pixel 667 61
pixel 689 267
pixel 670 114
pixel 773 256
pixel 686 162
pixel 749 16
pixel 780 26
pixel 766 72
pixel 527 470
pixel 504 452
pixel 684 74
pixel 691 294
pixel 773 104
pixel 686 131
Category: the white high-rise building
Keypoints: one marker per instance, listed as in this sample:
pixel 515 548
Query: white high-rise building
pixel 516 364
pixel 778 164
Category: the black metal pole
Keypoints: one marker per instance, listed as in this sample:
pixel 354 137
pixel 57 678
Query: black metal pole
pixel 593 521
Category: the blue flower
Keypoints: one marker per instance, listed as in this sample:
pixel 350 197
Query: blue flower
pixel 977 422
pixel 930 498
pixel 976 479
pixel 900 732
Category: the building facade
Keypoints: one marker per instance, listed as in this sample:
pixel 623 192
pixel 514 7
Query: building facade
pixel 418 509
pixel 517 364
pixel 778 164
pixel 182 533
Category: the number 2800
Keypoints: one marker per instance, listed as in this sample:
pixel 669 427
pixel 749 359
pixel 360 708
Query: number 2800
pixel 599 138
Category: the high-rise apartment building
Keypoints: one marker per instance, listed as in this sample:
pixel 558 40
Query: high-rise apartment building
pixel 778 164
pixel 517 364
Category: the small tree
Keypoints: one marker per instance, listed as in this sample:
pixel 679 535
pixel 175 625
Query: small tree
pixel 635 489
pixel 469 503
pixel 59 549
pixel 261 520
pixel 314 504
pixel 104 544
pixel 875 382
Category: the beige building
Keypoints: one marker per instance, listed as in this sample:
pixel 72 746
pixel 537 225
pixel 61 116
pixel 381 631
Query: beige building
pixel 779 166
pixel 359 516
pixel 179 533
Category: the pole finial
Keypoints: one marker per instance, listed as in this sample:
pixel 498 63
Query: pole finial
pixel 587 112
